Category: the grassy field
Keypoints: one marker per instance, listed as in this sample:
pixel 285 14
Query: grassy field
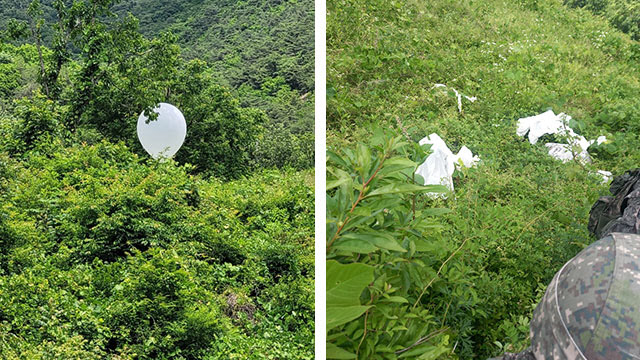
pixel 520 213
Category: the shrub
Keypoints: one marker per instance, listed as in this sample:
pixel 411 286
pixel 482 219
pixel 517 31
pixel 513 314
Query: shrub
pixel 282 261
pixel 622 14
pixel 625 15
pixel 157 309
pixel 221 135
pixel 36 120
pixel 224 252
pixel 292 305
pixel 113 204
pixel 114 257
pixel 381 252
pixel 597 6
pixel 280 148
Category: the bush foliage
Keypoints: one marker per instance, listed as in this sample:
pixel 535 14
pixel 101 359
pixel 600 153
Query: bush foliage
pixel 378 250
pixel 623 14
pixel 106 255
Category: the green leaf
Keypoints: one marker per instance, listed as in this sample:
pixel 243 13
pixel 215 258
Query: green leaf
pixel 345 283
pixel 396 299
pixel 335 183
pixel 342 178
pixel 418 350
pixel 380 240
pixel 335 158
pixel 334 352
pixel 398 160
pixel 432 212
pixel 337 316
pixel 354 245
pixel 396 164
pixel 406 188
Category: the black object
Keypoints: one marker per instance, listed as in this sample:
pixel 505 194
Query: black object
pixel 620 212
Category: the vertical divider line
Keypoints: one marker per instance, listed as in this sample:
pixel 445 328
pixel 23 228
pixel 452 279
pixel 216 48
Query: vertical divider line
pixel 320 177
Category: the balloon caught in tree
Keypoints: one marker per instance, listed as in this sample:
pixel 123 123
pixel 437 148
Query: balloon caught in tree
pixel 163 137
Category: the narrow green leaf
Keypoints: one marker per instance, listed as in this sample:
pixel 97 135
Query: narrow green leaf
pixel 337 316
pixel 396 299
pixel 399 160
pixel 334 352
pixel 335 183
pixel 354 245
pixel 406 188
pixel 380 240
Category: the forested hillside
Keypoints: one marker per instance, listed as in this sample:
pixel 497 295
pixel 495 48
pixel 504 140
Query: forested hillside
pixel 413 275
pixel 107 253
pixel 261 50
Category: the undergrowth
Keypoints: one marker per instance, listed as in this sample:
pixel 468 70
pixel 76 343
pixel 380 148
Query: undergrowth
pixel 520 214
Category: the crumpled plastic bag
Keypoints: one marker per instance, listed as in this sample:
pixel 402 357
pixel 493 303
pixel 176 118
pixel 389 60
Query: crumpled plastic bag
pixel 439 166
pixel 620 212
pixel 606 175
pixel 549 123
pixel 564 153
pixel 546 123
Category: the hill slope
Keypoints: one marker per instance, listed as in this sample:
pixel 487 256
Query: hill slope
pixel 248 40
pixel 261 49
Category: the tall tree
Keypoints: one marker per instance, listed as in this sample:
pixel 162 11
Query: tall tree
pixel 36 21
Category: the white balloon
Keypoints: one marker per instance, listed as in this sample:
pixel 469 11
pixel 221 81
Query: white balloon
pixel 163 137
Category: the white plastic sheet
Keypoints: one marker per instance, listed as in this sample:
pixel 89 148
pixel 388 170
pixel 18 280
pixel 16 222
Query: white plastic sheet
pixel 606 176
pixel 439 166
pixel 545 123
pixel 566 152
pixel 550 123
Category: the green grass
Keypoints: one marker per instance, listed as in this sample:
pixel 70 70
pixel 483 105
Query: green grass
pixel 524 213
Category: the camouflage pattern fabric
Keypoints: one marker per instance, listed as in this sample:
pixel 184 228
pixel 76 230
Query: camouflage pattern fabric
pixel 591 309
pixel 620 212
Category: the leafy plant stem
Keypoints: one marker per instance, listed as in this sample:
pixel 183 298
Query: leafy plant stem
pixel 364 334
pixel 423 339
pixel 532 222
pixel 360 197
pixel 440 270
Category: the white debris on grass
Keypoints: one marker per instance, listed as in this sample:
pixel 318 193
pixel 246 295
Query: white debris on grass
pixel 545 123
pixel 458 95
pixel 549 123
pixel 439 166
pixel 606 176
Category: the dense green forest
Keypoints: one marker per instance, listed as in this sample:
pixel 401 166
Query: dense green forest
pixel 107 253
pixel 260 50
pixel 413 275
